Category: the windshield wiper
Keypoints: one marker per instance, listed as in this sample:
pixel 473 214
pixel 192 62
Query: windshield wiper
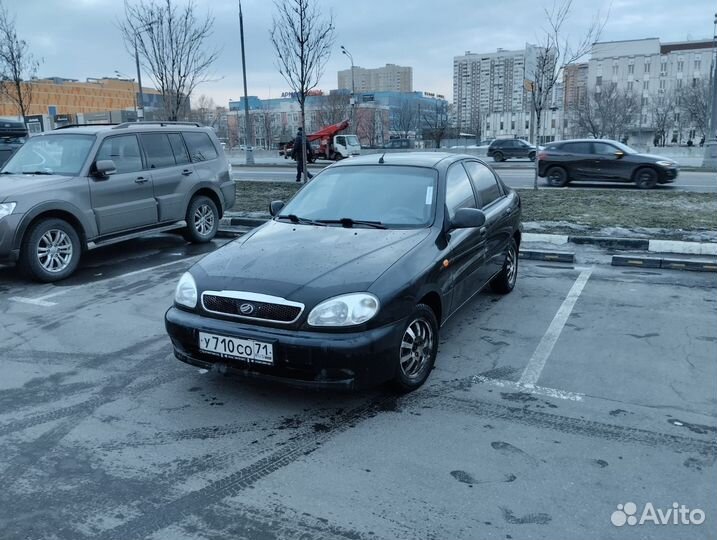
pixel 349 222
pixel 37 172
pixel 303 221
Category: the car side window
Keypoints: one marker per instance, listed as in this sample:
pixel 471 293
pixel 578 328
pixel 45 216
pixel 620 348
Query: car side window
pixel 181 156
pixel 158 150
pixel 124 151
pixel 604 149
pixel 577 148
pixel 459 193
pixel 341 140
pixel 485 183
pixel 200 146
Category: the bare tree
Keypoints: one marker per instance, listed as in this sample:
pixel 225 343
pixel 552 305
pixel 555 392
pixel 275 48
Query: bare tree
pixel 662 111
pixel 172 44
pixel 695 102
pixel 555 51
pixel 302 38
pixel 403 120
pixel 371 124
pixel 608 113
pixel 17 65
pixel 436 124
pixel 334 108
pixel 205 111
pixel 266 121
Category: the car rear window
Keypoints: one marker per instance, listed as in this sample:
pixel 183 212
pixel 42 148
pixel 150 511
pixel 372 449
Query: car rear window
pixel 200 146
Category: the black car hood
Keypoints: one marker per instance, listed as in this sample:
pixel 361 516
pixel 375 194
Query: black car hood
pixel 305 263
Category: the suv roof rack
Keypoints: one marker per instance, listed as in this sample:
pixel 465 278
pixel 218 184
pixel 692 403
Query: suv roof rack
pixel 86 125
pixel 156 123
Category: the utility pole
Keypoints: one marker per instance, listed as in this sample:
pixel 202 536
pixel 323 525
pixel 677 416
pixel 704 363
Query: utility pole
pixel 710 158
pixel 248 142
pixel 140 101
pixel 353 88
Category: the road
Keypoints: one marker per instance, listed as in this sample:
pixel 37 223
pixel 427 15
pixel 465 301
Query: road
pixel 704 182
pixel 104 435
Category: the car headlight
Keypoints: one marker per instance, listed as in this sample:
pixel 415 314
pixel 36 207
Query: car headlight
pixel 665 163
pixel 7 208
pixel 186 292
pixel 345 310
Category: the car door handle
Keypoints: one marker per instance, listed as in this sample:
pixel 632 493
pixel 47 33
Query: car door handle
pixel 482 231
pixel 508 210
pixel 187 172
pixel 141 180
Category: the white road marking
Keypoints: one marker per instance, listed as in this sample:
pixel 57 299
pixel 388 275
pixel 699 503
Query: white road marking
pixel 42 300
pixel 535 366
pixel 538 390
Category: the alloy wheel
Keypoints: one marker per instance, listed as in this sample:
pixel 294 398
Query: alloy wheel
pixel 204 220
pixel 511 266
pixel 416 348
pixel 55 250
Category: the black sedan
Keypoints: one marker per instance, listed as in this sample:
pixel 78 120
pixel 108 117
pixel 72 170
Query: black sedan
pixel 349 283
pixel 603 160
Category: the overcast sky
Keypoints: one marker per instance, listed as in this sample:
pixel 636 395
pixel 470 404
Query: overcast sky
pixel 79 38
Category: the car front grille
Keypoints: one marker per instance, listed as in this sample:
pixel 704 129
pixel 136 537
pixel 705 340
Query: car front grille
pixel 251 307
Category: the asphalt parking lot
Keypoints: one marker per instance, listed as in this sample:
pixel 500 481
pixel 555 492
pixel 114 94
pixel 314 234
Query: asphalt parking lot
pixel 586 388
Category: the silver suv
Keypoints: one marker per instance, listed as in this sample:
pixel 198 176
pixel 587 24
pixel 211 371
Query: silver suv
pixel 83 187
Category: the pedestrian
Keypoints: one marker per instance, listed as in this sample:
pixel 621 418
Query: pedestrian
pixel 296 154
pixel 702 141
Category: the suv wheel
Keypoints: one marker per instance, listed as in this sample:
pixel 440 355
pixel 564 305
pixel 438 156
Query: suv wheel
pixel 531 156
pixel 50 250
pixel 498 156
pixel 417 352
pixel 646 178
pixel 557 177
pixel 202 220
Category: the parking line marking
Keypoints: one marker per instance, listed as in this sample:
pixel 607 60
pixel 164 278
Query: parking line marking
pixel 535 366
pixel 32 301
pixel 42 300
pixel 538 390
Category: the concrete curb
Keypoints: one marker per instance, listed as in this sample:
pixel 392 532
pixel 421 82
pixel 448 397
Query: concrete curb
pixel 640 244
pixel 665 263
pixel 550 256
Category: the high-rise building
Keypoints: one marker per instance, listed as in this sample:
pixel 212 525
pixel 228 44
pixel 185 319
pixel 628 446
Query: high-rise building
pixel 575 79
pixel 390 78
pixel 491 99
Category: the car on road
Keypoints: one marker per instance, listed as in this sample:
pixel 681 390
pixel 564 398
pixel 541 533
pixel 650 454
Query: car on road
pixel 78 188
pixel 13 135
pixel 502 149
pixel 348 284
pixel 603 160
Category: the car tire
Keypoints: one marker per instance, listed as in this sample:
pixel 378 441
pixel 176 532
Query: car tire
pixel 504 282
pixel 557 177
pixel 202 220
pixel 416 357
pixel 646 178
pixel 531 156
pixel 498 156
pixel 50 251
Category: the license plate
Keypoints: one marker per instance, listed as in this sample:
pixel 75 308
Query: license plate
pixel 243 349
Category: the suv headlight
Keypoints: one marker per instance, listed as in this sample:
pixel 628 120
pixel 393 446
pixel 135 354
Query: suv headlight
pixel 7 208
pixel 664 163
pixel 345 310
pixel 186 292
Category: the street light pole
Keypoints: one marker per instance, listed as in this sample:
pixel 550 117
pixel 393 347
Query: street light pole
pixel 353 87
pixel 248 146
pixel 140 99
pixel 710 158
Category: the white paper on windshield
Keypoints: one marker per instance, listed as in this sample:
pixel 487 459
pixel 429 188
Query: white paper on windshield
pixel 429 194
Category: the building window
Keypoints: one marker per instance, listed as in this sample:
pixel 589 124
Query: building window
pixel 644 101
pixel 644 119
pixel 677 117
pixel 698 65
pixel 552 123
pixel 527 124
pixel 629 85
pixel 680 64
pixel 645 85
pixel 647 67
pixel 501 125
pixel 663 67
pixel 487 125
pixel 631 69
pixel 512 124
pixel 679 83
pixel 694 82
pixel 662 84
pixel 598 80
pixel 614 69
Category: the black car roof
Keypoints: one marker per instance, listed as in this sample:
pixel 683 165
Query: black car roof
pixel 419 159
pixel 580 140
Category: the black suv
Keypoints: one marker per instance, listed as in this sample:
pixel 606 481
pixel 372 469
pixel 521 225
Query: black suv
pixel 603 160
pixel 502 149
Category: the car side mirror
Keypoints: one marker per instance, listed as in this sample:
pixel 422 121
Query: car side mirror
pixel 104 167
pixel 467 218
pixel 619 154
pixel 275 207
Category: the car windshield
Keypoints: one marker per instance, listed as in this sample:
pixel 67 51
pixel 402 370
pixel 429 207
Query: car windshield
pixel 63 154
pixel 352 140
pixel 394 196
pixel 625 148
